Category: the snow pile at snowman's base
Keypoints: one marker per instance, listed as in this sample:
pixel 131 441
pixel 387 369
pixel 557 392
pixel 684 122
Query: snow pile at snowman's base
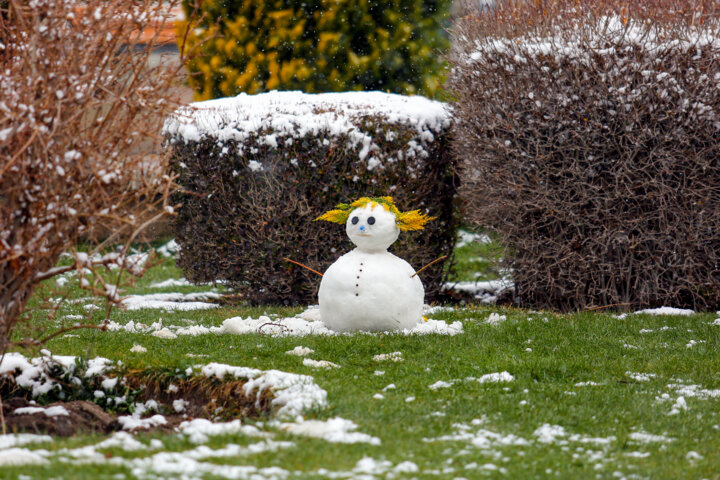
pixel 293 156
pixel 303 324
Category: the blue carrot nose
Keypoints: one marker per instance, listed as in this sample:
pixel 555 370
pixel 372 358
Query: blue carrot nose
pixel 362 229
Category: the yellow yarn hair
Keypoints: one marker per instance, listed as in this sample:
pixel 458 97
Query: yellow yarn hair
pixel 406 221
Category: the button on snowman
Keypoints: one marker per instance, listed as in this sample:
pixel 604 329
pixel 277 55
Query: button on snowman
pixel 369 288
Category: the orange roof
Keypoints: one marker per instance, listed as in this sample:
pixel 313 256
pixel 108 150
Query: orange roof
pixel 161 29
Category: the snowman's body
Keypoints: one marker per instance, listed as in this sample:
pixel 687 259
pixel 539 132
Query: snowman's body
pixel 370 291
pixel 369 288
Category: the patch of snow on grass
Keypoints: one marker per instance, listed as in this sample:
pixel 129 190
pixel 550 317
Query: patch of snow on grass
pixel 466 238
pixel 122 440
pixel 200 430
pixel 440 384
pixel 138 348
pixel 692 343
pixel 309 362
pixel 406 467
pixel 495 318
pixel 556 434
pixel 164 333
pixel 389 357
pixel 494 378
pixel 482 438
pixel 334 430
pixel 371 466
pixel 157 329
pixel 170 301
pixel 547 433
pixel 661 329
pixel 666 311
pixel 183 463
pixel 486 291
pixel 692 455
pixel 435 326
pixel 641 377
pixel 428 310
pixel 694 391
pixel 637 454
pixel 171 282
pixel 169 249
pixel 300 351
pixel 644 437
pixel 20 456
pixel 192 330
pixel 680 406
pixel 17 439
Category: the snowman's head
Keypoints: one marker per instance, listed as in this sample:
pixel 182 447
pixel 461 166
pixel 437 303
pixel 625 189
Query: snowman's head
pixel 374 223
pixel 372 228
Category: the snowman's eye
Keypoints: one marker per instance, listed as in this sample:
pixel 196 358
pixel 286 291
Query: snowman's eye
pixel 371 220
pixel 355 220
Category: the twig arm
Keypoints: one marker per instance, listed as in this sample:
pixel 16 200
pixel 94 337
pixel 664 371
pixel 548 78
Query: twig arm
pixel 304 266
pixel 431 263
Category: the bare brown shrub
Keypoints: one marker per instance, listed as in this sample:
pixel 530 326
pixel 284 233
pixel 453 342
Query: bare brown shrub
pixel 79 105
pixel 589 134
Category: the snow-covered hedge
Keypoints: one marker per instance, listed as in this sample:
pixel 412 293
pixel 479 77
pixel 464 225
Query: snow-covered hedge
pixel 257 170
pixel 591 143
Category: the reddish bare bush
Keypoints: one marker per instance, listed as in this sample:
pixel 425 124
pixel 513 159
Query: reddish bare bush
pixel 79 104
pixel 590 139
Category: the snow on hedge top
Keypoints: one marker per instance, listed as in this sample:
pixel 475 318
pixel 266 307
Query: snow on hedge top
pixel 677 65
pixel 610 35
pixel 297 114
pixel 268 116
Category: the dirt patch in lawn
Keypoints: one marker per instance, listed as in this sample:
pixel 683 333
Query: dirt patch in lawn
pixel 81 416
pixel 178 400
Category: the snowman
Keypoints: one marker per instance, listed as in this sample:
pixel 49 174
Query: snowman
pixel 369 288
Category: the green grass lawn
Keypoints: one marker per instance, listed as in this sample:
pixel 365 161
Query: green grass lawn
pixel 576 407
